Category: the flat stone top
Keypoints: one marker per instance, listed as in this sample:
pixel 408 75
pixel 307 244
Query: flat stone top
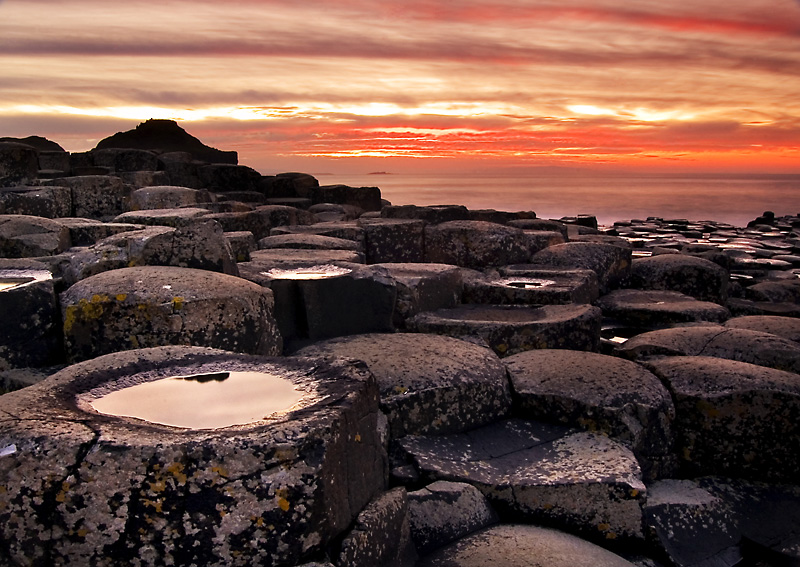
pixel 512 545
pixel 415 271
pixel 160 283
pixel 307 242
pixel 281 256
pixel 596 378
pixel 60 406
pixel 702 376
pixel 179 213
pixel 786 327
pixel 510 314
pixel 407 362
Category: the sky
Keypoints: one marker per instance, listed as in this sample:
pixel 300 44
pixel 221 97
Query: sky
pixel 353 86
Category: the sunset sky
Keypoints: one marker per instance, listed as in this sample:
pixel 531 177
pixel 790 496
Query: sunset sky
pixel 425 85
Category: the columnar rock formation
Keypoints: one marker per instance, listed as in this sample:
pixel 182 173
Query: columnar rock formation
pixel 470 386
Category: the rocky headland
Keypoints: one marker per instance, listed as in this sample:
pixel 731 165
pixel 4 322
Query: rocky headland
pixel 399 385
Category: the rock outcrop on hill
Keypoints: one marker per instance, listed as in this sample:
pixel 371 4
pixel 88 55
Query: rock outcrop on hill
pixel 164 136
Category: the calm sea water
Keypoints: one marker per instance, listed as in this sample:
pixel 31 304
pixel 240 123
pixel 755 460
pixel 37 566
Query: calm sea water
pixel 732 199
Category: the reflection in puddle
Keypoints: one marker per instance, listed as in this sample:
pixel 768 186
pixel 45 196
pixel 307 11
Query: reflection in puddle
pixel 526 283
pixel 204 401
pixel 11 283
pixel 312 273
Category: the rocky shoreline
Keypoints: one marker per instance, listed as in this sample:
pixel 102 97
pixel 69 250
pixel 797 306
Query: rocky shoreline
pixel 475 386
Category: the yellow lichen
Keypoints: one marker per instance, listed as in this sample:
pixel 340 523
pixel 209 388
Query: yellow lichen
pixel 221 471
pixel 122 296
pixel 177 303
pixel 176 469
pixel 357 438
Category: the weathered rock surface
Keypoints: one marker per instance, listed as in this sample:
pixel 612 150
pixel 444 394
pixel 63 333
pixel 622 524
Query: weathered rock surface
pixel 509 329
pixel 475 244
pixel 641 308
pixel 366 198
pixel 100 197
pixel 583 482
pixel 597 393
pixel 423 287
pixel 163 217
pixel 381 536
pixel 444 511
pixel 734 418
pixel 315 301
pixel 19 164
pixel 167 197
pixel 31 333
pixel 48 202
pixel 23 236
pixel 429 384
pixel 696 277
pixel 150 306
pixel 612 264
pixel 433 214
pixel 308 242
pixel 515 545
pixel 755 347
pixel 84 488
pixel 786 327
pixel 393 240
pixel 524 286
pixel 198 246
pixel 263 219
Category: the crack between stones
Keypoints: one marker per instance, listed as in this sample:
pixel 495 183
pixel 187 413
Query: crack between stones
pixel 709 341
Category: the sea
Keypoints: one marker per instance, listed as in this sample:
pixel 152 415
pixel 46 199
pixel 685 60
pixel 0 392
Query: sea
pixel 735 199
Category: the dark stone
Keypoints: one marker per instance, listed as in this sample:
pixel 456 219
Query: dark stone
pixel 475 244
pixel 48 202
pixel 433 214
pixel 393 240
pixel 612 264
pixel 19 164
pixel 24 236
pixel 367 198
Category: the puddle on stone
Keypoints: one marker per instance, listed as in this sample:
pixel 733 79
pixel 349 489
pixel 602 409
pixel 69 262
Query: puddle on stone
pixel 204 401
pixel 312 273
pixel 526 283
pixel 11 283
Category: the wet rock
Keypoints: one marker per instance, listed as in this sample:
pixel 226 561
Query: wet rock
pixel 100 197
pixel 443 512
pixel 612 264
pixel 201 246
pixel 734 418
pixel 423 287
pixel 429 385
pixel 583 482
pixel 509 329
pixel 106 490
pixel 163 217
pixel 366 198
pixel 526 285
pixel 433 214
pixel 755 347
pixel 24 236
pixel 132 308
pixel 167 197
pixel 48 202
pixel 696 277
pixel 381 536
pixel 786 327
pixel 31 335
pixel 393 240
pixel 517 545
pixel 475 244
pixel 598 393
pixel 692 526
pixel 641 308
pixel 19 164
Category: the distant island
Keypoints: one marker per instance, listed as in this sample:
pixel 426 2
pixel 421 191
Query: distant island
pixel 379 173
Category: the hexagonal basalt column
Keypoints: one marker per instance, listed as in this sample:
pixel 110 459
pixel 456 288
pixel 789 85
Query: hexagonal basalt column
pixel 509 329
pixel 274 483
pixel 155 305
